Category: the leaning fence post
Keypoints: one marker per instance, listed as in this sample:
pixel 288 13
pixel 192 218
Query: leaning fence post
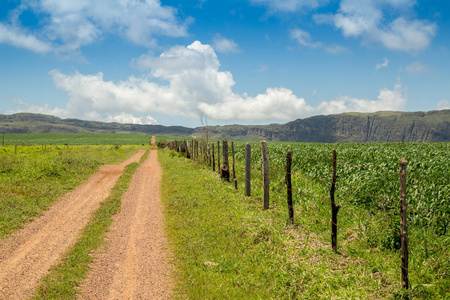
pixel 265 167
pixel 234 166
pixel 334 207
pixel 403 223
pixel 289 185
pixel 247 168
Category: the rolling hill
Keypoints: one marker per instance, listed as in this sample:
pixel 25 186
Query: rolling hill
pixel 385 126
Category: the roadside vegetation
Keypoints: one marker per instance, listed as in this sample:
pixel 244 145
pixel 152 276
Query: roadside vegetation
pixel 63 279
pixel 34 177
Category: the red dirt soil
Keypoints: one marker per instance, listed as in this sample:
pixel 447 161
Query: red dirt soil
pixel 133 264
pixel 27 256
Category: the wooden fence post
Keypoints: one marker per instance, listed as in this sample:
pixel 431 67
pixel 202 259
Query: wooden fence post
pixel 218 156
pixel 213 158
pixel 289 185
pixel 209 155
pixel 334 207
pixel 265 167
pixel 225 169
pixel 403 223
pixel 196 149
pixel 186 145
pixel 234 166
pixel 247 169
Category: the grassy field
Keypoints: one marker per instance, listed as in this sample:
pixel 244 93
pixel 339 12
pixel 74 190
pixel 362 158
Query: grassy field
pixel 78 139
pixel 226 244
pixel 33 177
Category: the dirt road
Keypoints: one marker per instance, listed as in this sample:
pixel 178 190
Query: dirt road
pixel 28 255
pixel 133 263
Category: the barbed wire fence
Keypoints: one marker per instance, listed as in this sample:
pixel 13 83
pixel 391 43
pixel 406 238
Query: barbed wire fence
pixel 204 153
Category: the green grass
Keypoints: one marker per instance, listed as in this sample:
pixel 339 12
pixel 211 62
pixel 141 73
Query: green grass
pixel 79 139
pixel 32 178
pixel 63 279
pixel 227 247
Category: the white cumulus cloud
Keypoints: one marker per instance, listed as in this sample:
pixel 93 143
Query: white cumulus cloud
pixel 384 64
pixel 443 104
pixel 130 119
pixel 191 84
pixel 289 5
pixel 394 100
pixel 195 87
pixel 20 39
pixel 417 67
pixel 225 45
pixel 276 103
pixel 304 39
pixel 69 25
pixel 371 20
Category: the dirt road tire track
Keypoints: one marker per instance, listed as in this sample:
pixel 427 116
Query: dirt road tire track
pixel 28 255
pixel 133 264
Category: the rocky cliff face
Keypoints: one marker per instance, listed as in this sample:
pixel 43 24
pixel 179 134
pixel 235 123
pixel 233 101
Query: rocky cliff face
pixel 433 126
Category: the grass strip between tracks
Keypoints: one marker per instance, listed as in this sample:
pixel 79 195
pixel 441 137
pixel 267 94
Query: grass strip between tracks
pixel 63 279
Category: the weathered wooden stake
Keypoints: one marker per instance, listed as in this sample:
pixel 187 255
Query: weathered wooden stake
pixel 247 169
pixel 188 155
pixel 218 156
pixel 334 207
pixel 213 158
pixel 225 169
pixel 265 168
pixel 403 224
pixel 234 166
pixel 209 156
pixel 289 186
pixel 196 150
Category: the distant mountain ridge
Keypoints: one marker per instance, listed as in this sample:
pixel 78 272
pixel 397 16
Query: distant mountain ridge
pixel 39 123
pixel 385 126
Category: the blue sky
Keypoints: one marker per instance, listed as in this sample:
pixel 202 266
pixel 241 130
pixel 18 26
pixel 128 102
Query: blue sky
pixel 223 62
